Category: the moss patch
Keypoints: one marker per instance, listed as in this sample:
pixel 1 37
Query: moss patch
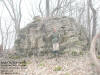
pixel 74 53
pixel 14 57
pixel 67 73
pixel 41 64
pixel 57 68
pixel 98 57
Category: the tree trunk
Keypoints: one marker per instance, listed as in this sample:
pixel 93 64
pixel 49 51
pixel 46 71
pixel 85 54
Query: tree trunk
pixel 94 23
pixel 93 53
pixel 94 18
pixel 88 23
pixel 47 8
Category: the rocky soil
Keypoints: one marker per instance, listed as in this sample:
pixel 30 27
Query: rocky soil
pixel 61 66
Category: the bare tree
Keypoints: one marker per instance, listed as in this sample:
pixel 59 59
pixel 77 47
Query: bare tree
pixel 88 22
pixel 4 34
pixel 81 11
pixel 56 9
pixel 94 18
pixel 34 12
pixel 93 53
pixel 14 11
pixel 1 32
pixel 62 7
pixel 59 9
pixel 7 35
pixel 47 8
pixel 41 10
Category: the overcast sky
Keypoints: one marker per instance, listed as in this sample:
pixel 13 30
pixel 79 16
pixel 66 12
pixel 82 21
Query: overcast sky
pixel 26 9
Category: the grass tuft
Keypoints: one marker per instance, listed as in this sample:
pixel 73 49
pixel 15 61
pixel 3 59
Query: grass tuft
pixel 58 68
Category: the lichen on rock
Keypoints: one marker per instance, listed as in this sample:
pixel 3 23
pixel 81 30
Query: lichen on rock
pixel 36 36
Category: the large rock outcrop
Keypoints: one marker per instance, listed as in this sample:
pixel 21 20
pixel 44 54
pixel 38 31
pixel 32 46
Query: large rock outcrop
pixel 35 37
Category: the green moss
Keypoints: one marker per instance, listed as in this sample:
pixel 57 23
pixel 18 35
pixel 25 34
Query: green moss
pixel 78 42
pixel 62 52
pixel 42 64
pixel 81 52
pixel 17 41
pixel 74 53
pixel 30 53
pixel 93 64
pixel 58 68
pixel 67 73
pixel 24 63
pixel 14 57
pixel 28 62
pixel 98 57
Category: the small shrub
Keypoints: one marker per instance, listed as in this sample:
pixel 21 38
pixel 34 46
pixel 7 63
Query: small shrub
pixel 24 63
pixel 58 68
pixel 62 52
pixel 93 64
pixel 81 53
pixel 74 53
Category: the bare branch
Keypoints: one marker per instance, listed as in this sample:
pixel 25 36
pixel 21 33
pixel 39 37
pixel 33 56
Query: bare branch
pixel 15 14
pixel 8 10
pixel 40 8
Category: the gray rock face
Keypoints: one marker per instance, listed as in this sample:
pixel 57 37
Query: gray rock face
pixel 36 36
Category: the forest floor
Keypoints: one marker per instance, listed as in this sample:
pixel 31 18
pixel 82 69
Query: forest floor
pixel 62 65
